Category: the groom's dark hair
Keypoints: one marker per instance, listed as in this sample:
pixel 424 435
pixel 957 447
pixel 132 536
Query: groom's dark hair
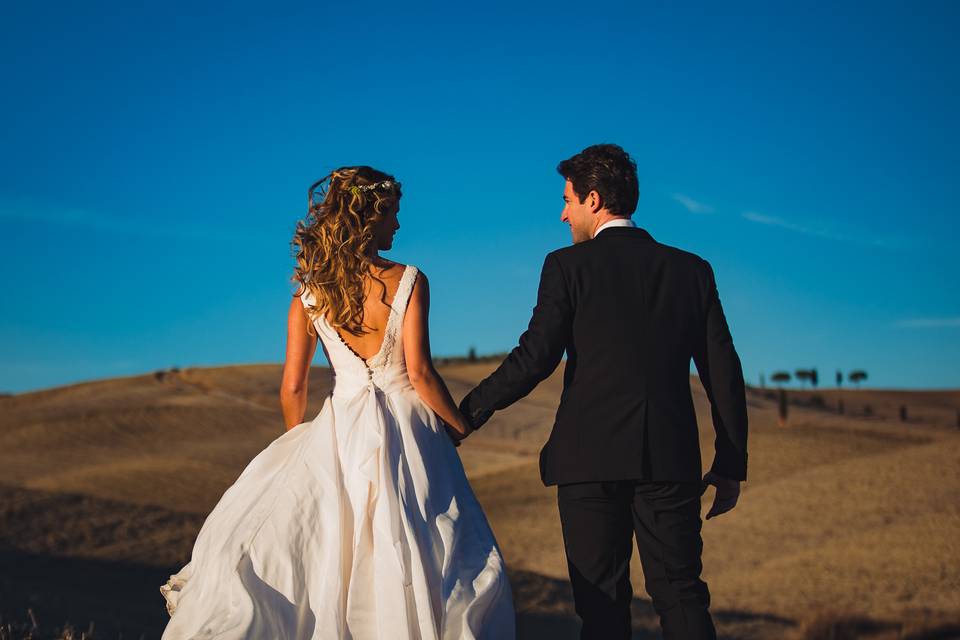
pixel 608 170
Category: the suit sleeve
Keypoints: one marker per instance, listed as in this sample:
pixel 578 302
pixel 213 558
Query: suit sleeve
pixel 536 356
pixel 722 375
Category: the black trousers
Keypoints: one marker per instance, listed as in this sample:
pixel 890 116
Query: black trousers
pixel 599 520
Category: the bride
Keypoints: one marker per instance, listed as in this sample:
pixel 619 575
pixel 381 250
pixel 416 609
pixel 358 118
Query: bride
pixel 360 522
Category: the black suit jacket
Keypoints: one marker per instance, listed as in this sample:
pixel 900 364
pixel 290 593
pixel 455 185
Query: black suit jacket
pixel 630 313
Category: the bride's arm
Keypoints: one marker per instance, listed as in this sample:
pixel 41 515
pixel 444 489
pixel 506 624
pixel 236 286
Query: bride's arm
pixel 296 368
pixel 416 350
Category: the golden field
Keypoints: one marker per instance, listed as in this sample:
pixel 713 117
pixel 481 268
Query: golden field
pixel 849 526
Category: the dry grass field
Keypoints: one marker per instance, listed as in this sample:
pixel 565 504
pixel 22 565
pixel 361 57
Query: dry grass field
pixel 848 527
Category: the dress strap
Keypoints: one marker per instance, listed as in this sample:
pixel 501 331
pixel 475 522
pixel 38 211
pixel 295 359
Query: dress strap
pixel 404 289
pixel 398 309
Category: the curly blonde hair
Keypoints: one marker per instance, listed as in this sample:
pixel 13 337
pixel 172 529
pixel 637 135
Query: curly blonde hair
pixel 332 245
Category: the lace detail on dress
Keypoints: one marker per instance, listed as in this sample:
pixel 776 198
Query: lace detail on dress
pixel 395 322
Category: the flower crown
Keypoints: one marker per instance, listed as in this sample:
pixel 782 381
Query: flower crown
pixel 357 189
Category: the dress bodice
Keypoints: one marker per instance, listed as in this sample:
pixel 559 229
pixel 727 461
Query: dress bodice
pixel 386 370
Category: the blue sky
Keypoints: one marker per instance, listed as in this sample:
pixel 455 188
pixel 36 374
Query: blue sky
pixel 156 159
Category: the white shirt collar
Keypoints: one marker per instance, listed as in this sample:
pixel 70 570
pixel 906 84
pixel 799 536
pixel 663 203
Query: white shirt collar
pixel 618 222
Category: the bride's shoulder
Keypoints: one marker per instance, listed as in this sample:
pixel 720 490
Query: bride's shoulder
pixel 399 270
pixel 415 274
pixel 416 280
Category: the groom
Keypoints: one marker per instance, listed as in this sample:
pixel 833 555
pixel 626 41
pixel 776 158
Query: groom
pixel 624 452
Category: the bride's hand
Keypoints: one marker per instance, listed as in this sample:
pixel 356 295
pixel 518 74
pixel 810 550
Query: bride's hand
pixel 455 435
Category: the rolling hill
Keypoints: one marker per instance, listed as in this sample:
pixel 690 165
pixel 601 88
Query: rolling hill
pixel 849 523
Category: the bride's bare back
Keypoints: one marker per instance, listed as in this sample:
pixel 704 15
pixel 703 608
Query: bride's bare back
pixel 378 293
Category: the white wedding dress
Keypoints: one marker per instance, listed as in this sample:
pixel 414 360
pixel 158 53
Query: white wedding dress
pixel 358 524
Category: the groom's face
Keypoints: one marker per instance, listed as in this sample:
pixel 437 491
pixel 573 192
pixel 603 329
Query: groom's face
pixel 579 215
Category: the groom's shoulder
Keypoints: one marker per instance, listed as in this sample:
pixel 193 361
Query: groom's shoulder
pixel 565 252
pixel 590 250
pixel 576 251
pixel 681 261
pixel 570 255
pixel 683 256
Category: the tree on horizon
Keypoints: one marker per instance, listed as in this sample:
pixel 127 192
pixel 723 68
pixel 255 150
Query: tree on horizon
pixel 856 377
pixel 781 377
pixel 804 376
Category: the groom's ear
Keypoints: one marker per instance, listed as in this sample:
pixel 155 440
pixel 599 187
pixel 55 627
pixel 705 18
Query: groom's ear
pixel 594 201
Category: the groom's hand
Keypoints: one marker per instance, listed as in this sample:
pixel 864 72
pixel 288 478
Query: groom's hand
pixel 456 437
pixel 728 492
pixel 475 417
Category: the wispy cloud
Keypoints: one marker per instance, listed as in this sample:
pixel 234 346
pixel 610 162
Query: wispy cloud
pixel 774 221
pixel 693 206
pixel 928 323
pixel 821 231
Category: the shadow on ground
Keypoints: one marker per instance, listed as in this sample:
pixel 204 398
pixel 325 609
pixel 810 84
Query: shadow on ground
pixel 122 600
pixel 545 611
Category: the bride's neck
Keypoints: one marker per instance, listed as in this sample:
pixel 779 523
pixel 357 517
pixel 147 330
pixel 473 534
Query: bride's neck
pixel 378 263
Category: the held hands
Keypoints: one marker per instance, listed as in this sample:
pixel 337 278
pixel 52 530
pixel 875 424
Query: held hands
pixel 456 435
pixel 728 492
